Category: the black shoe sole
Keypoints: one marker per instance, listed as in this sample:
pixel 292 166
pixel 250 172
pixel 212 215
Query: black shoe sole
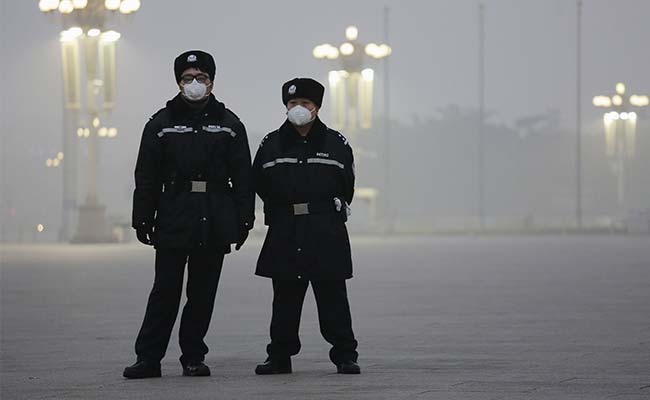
pixel 142 376
pixel 340 370
pixel 203 372
pixel 274 372
pixel 185 373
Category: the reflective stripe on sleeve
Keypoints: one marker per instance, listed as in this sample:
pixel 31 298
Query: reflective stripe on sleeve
pixel 217 128
pixel 175 129
pixel 325 161
pixel 280 161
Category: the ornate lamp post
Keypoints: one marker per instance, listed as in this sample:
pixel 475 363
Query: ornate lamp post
pixel 351 90
pixel 351 84
pixel 620 130
pixel 89 76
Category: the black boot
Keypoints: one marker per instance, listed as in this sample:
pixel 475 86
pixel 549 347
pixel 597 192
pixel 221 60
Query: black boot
pixel 274 366
pixel 348 367
pixel 196 368
pixel 142 369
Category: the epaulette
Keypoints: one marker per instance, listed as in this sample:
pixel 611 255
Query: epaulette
pixel 266 137
pixel 233 114
pixel 337 133
pixel 156 113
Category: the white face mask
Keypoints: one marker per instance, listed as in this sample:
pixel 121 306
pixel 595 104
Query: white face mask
pixel 299 116
pixel 195 91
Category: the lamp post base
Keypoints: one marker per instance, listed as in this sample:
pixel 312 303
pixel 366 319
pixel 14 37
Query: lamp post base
pixel 92 226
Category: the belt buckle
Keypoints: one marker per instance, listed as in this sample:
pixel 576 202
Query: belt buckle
pixel 199 186
pixel 301 209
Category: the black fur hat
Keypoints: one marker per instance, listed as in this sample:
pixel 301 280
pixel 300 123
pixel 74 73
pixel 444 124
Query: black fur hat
pixel 306 88
pixel 194 59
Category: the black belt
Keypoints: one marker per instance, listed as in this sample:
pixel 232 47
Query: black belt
pixel 314 207
pixel 195 186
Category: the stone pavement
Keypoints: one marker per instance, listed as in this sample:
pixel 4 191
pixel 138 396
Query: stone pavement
pixel 537 317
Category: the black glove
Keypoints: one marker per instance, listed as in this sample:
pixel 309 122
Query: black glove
pixel 243 235
pixel 145 236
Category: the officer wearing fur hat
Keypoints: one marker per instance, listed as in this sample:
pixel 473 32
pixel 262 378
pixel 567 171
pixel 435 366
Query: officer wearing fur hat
pixel 304 173
pixel 193 198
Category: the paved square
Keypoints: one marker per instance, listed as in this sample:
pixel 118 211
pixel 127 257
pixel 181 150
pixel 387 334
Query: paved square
pixel 538 317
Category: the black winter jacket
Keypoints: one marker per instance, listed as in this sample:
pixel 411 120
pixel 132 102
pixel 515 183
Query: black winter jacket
pixel 299 180
pixel 193 177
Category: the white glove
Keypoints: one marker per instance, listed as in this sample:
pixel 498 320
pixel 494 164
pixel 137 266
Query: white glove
pixel 339 205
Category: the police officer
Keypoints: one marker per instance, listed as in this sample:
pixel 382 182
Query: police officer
pixel 304 173
pixel 193 198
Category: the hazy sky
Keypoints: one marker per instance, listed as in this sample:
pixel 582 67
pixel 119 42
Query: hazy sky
pixel 530 62
pixel 530 53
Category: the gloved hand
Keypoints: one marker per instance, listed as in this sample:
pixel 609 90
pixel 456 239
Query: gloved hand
pixel 145 236
pixel 243 235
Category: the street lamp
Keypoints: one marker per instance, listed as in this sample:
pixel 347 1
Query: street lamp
pixel 620 130
pixel 88 54
pixel 351 83
pixel 351 89
pixel 66 7
pixel 54 162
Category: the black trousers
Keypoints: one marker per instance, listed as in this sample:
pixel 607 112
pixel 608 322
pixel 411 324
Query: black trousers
pixel 204 270
pixel 333 316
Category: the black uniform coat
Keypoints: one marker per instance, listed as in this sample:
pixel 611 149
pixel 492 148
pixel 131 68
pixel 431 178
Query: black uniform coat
pixel 180 144
pixel 289 169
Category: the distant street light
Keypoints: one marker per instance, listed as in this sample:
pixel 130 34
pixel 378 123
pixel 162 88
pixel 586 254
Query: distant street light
pixel 351 84
pixel 88 51
pixel 54 161
pixel 69 6
pixel 620 130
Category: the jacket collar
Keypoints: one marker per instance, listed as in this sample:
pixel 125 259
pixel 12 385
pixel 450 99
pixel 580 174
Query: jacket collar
pixel 289 135
pixel 178 107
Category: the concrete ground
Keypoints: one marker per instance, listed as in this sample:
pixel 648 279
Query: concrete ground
pixel 537 317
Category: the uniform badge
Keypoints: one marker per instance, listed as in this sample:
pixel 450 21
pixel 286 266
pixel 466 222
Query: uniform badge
pixel 191 58
pixel 292 89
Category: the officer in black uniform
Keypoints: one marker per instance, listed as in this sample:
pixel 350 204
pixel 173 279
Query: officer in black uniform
pixel 193 198
pixel 304 173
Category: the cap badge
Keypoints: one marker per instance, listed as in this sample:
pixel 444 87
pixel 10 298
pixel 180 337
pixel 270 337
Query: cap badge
pixel 191 58
pixel 292 89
